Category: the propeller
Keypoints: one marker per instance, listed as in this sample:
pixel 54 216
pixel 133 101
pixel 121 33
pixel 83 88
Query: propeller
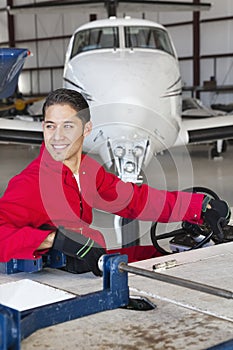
pixel 19 104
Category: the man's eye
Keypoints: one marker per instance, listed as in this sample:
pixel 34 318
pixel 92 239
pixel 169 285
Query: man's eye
pixel 68 126
pixel 49 126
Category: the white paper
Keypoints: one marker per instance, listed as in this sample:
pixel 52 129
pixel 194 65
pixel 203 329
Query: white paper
pixel 26 294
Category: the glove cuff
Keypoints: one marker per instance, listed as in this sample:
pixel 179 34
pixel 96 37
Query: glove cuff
pixel 69 242
pixel 205 203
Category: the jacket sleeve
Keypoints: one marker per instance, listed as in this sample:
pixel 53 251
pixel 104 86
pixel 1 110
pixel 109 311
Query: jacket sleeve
pixel 19 236
pixel 144 202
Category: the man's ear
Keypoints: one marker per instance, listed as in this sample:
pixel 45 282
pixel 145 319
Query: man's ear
pixel 87 128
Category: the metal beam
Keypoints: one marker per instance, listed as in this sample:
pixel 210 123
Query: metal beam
pixel 223 293
pixel 196 47
pixel 57 6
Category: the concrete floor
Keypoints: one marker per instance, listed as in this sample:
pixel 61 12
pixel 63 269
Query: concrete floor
pixel 183 319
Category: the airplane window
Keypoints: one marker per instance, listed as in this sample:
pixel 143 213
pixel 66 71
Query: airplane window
pixel 96 38
pixel 148 37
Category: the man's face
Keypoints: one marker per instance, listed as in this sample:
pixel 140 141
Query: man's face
pixel 64 134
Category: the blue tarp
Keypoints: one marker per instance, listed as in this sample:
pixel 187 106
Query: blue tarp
pixel 11 64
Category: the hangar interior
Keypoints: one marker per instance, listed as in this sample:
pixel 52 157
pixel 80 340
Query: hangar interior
pixel 204 45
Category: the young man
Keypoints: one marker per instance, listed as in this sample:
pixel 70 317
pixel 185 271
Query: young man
pixel 49 204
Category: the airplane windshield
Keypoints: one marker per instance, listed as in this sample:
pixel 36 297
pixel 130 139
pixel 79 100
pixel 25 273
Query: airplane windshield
pixel 96 38
pixel 149 38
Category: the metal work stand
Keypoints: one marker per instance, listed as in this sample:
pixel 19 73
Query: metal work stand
pixel 54 259
pixel 16 325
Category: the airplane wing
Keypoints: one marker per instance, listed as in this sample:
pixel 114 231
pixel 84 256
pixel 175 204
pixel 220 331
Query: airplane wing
pixel 11 64
pixel 192 130
pixel 21 131
pixel 197 130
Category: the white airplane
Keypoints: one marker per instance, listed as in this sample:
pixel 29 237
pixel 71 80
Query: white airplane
pixel 128 71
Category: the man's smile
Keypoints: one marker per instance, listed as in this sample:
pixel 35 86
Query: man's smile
pixel 59 147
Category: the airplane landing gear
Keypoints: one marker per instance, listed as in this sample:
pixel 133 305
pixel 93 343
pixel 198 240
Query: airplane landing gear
pixel 130 233
pixel 219 147
pixel 127 231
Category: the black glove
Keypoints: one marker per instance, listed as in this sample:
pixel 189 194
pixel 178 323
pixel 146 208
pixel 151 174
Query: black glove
pixel 218 216
pixel 78 246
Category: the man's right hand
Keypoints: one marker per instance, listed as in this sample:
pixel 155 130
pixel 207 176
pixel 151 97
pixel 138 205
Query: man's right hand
pixel 78 246
pixel 216 213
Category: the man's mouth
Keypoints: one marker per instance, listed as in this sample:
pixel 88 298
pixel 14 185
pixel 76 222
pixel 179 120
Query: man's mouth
pixel 59 147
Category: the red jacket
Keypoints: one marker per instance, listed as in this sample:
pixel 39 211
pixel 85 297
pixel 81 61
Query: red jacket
pixel 47 193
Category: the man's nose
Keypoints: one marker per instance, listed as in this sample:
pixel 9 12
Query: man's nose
pixel 59 133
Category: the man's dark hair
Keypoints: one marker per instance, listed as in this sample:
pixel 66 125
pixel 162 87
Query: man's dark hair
pixel 68 97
